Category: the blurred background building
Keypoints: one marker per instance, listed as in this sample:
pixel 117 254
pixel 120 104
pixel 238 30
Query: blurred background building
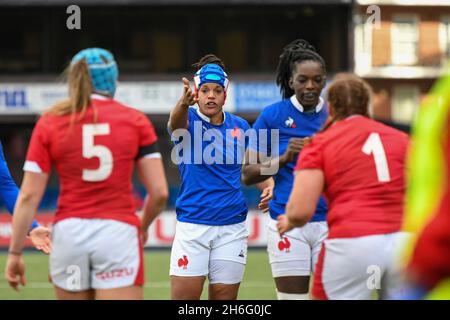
pixel 403 54
pixel 156 41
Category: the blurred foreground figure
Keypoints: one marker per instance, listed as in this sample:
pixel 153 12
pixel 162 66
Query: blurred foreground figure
pixel 358 163
pixel 428 202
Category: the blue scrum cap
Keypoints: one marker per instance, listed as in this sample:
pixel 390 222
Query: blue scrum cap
pixel 211 73
pixel 102 69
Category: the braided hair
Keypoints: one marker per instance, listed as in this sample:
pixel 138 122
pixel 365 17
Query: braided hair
pixel 207 59
pixel 295 52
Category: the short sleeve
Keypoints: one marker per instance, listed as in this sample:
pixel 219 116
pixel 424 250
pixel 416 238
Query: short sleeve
pixel 147 133
pixel 38 158
pixel 311 157
pixel 262 131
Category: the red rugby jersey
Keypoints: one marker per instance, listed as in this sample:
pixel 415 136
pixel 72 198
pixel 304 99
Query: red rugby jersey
pixel 94 160
pixel 363 163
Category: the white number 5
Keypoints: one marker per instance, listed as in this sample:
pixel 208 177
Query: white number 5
pixel 103 153
pixel 374 146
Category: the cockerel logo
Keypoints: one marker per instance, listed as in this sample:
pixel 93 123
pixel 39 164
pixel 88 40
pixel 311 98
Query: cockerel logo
pixel 284 244
pixel 183 262
pixel 290 123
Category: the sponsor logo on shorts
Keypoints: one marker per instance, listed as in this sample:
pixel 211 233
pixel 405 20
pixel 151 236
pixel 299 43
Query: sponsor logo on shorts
pixel 183 262
pixel 284 244
pixel 115 274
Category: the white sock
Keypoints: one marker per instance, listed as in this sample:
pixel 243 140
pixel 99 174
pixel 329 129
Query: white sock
pixel 292 296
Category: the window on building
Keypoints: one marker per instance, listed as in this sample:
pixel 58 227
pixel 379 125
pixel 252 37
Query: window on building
pixel 404 40
pixel 167 51
pixel 405 102
pixel 232 47
pixel 444 37
pixel 363 44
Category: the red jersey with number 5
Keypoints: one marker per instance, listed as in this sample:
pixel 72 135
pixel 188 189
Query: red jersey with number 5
pixel 94 160
pixel 363 162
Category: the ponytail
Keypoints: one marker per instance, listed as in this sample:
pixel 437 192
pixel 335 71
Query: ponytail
pixel 80 90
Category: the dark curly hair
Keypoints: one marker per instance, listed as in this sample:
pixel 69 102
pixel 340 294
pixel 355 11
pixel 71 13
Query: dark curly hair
pixel 297 51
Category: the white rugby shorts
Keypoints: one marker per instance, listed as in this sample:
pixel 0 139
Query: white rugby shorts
pixel 198 250
pixel 95 254
pixel 297 251
pixel 353 268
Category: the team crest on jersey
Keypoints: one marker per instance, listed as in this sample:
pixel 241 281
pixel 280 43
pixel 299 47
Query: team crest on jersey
pixel 241 254
pixel 236 133
pixel 290 123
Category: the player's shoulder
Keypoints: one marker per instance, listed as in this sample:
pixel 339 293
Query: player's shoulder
pixel 321 137
pixel 270 114
pixel 386 129
pixel 192 111
pixel 48 119
pixel 275 108
pixel 241 122
pixel 118 110
pixel 125 109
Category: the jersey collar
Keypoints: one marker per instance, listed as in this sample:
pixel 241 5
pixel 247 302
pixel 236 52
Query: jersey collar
pixel 99 97
pixel 352 116
pixel 300 108
pixel 207 119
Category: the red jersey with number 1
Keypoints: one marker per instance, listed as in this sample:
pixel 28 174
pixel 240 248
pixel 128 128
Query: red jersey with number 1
pixel 94 160
pixel 363 163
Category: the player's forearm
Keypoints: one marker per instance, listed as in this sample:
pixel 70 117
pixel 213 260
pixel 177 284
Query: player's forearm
pixel 297 216
pixel 23 217
pixel 179 116
pixel 259 172
pixel 153 206
pixel 265 184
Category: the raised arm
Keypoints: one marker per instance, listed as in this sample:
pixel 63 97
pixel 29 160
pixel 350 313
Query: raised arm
pixel 179 115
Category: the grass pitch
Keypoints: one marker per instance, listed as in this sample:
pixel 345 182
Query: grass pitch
pixel 256 285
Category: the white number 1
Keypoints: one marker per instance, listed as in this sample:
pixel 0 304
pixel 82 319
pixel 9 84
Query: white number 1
pixel 374 146
pixel 103 153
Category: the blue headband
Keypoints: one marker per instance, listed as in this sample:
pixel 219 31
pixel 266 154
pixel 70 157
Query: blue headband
pixel 102 69
pixel 211 73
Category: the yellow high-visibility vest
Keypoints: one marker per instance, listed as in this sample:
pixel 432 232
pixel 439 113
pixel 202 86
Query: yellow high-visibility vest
pixel 426 167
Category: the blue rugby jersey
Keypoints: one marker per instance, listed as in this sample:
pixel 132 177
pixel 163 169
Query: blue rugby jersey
pixel 8 188
pixel 292 122
pixel 210 191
